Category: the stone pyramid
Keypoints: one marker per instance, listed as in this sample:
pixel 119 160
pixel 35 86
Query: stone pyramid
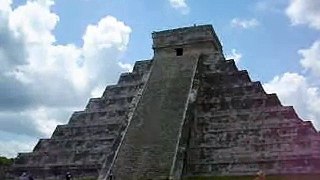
pixel 186 114
pixel 91 136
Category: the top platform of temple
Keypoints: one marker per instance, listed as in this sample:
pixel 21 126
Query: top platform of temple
pixel 186 35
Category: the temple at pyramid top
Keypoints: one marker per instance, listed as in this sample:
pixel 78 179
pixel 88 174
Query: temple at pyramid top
pixel 186 36
pixel 187 113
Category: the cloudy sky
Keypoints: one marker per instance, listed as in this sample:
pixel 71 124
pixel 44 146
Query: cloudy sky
pixel 56 54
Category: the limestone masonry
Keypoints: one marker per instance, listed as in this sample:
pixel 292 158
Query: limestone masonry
pixel 187 113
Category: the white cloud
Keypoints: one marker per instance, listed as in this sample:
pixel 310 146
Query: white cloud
pixel 294 89
pixel 126 66
pixel 304 12
pixel 43 121
pixel 9 148
pixel 301 91
pixel 102 45
pixel 235 55
pixel 109 32
pixel 297 89
pixel 5 6
pixel 311 58
pixel 97 91
pixel 180 5
pixel 244 23
pixel 42 83
pixel 34 21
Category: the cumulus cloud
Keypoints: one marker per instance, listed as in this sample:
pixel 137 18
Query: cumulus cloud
pixel 294 89
pixel 13 143
pixel 311 58
pixel 244 23
pixel 5 6
pixel 128 67
pixel 102 43
pixel 297 89
pixel 304 12
pixel 40 85
pixel 9 41
pixel 235 55
pixel 34 22
pixel 180 5
pixel 301 91
pixel 37 122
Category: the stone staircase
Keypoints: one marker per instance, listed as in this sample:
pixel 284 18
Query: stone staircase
pixel 149 146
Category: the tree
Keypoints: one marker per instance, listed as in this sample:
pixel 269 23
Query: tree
pixel 5 161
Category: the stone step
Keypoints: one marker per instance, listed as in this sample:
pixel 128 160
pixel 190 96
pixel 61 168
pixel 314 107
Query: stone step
pixel 252 158
pixel 121 97
pixel 120 90
pixel 246 102
pixel 284 112
pixel 226 78
pixel 117 101
pixel 46 145
pixel 238 139
pixel 89 170
pixel 290 166
pixel 255 119
pixel 62 166
pixel 291 145
pixel 111 115
pixel 109 120
pixel 221 66
pixel 206 98
pixel 91 130
pixel 129 77
pixel 251 88
pixel 142 67
pixel 295 126
pixel 214 125
pixel 61 158
pixel 128 83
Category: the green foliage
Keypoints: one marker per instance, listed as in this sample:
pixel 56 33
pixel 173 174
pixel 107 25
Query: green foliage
pixel 5 161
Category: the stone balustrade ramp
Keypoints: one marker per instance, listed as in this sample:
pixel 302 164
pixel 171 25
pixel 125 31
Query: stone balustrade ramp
pixel 149 146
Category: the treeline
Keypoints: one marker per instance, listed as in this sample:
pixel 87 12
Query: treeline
pixel 5 164
pixel 5 161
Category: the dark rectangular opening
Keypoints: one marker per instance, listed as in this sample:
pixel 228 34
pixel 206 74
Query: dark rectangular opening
pixel 179 51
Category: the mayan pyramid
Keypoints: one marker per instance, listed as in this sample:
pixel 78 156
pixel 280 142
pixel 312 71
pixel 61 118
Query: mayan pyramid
pixel 188 113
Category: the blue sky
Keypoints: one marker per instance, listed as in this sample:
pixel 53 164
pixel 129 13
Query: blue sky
pixel 56 54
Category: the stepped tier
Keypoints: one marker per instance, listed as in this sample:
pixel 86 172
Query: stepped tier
pixel 84 144
pixel 239 129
